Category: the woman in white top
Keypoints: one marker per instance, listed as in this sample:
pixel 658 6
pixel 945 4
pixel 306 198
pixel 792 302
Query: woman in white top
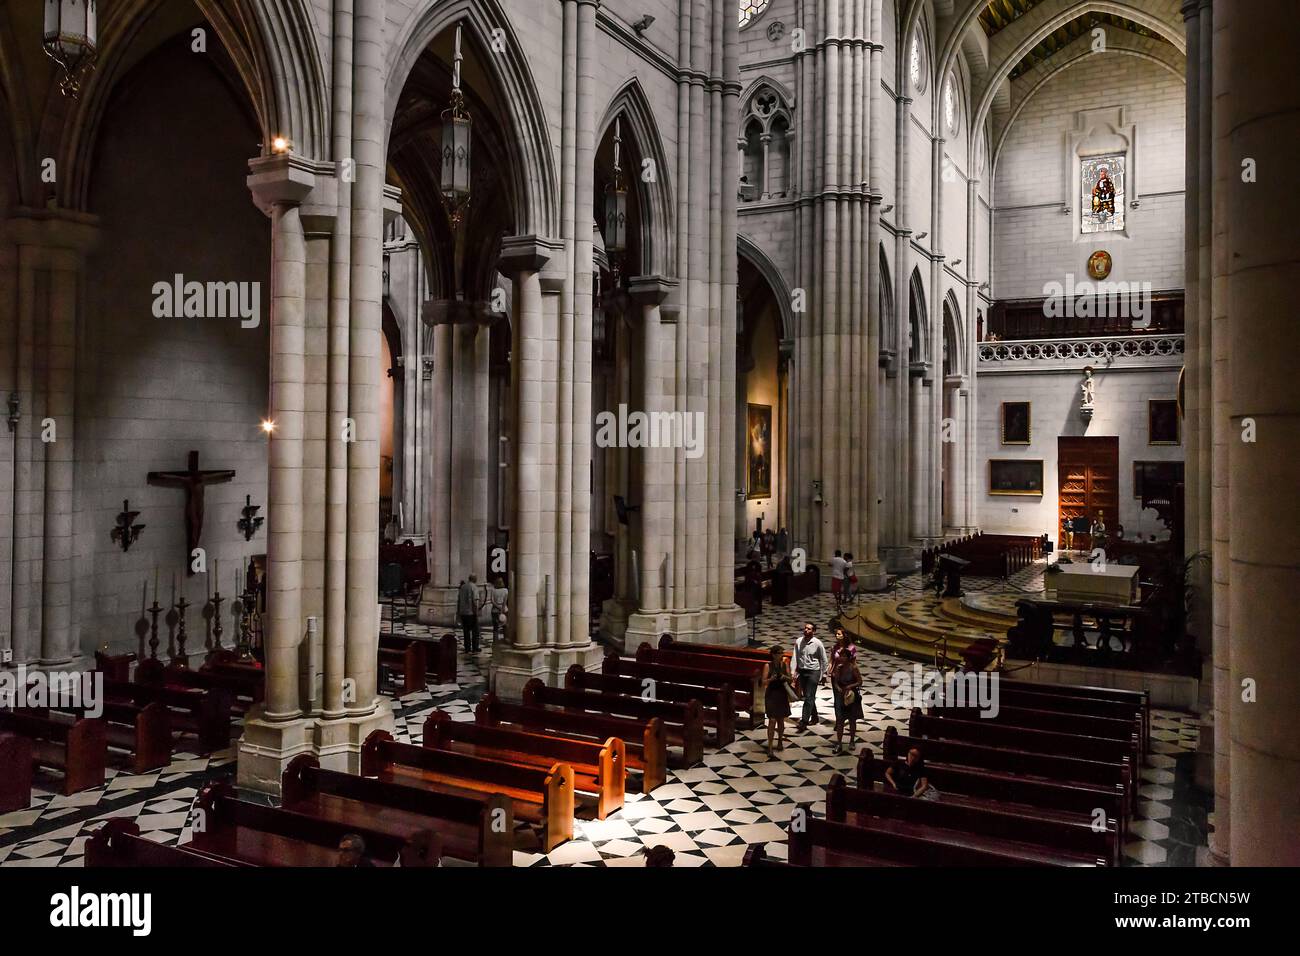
pixel 499 597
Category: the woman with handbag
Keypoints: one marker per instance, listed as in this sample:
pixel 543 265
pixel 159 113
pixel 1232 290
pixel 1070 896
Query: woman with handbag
pixel 846 684
pixel 778 692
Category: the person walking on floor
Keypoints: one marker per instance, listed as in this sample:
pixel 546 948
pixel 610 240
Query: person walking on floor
pixel 467 611
pixel 778 687
pixel 846 685
pixel 837 577
pixel 500 598
pixel 810 666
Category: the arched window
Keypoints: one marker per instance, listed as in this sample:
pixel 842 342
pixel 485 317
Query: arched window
pixel 766 146
pixel 916 61
pixel 749 9
pixel 950 104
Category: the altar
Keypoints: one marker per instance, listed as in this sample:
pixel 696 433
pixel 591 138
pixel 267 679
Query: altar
pixel 1095 583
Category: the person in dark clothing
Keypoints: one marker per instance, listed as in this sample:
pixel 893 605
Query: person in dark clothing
pixel 776 697
pixel 467 608
pixel 352 852
pixel 908 777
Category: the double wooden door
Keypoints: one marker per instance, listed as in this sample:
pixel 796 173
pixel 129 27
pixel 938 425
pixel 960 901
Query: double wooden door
pixel 1088 480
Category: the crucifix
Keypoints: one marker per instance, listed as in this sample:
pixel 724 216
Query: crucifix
pixel 193 481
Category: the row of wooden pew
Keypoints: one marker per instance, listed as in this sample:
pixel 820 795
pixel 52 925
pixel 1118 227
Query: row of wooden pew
pixel 1051 779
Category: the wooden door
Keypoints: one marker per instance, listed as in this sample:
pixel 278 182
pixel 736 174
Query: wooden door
pixel 1087 480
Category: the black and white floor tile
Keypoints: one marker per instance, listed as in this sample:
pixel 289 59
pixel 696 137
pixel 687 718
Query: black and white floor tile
pixel 707 814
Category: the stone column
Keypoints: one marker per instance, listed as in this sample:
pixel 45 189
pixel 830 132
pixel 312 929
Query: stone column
pixel 1258 120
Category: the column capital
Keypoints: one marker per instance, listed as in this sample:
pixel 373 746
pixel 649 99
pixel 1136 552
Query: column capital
pixel 456 312
pixel 651 289
pixel 52 229
pixel 528 253
pixel 296 181
pixel 1191 9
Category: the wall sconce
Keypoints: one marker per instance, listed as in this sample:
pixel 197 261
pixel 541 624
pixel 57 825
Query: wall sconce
pixel 642 25
pixel 921 235
pixel 817 492
pixel 889 208
pixel 280 146
pixel 956 263
pixel 126 531
pixel 70 39
pixel 250 521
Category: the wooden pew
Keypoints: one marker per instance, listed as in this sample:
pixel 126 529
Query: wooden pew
pixel 479 829
pixel 742 697
pixel 79 748
pixel 1012 760
pixel 744 673
pixel 599 767
pixel 405 656
pixel 717 705
pixel 204 714
pixel 243 693
pixel 985 785
pixel 1062 696
pixel 1075 839
pixel 542 796
pixel 884 842
pixel 118 844
pixel 644 741
pixel 758 655
pixel 273 836
pixel 143 731
pixel 683 723
pixel 442 659
pixel 16 766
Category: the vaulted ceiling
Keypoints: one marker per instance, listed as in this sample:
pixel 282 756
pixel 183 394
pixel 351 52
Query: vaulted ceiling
pixel 998 14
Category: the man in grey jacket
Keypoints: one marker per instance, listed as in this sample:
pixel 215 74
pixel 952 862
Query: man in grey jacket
pixel 809 665
pixel 467 611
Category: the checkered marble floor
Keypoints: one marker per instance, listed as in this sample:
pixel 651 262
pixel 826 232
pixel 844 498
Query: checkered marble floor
pixel 708 814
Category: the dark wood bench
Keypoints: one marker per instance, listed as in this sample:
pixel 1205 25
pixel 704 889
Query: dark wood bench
pixel 404 656
pixel 273 836
pixel 1076 840
pixel 480 829
pixel 541 796
pixel 683 723
pixel 1098 701
pixel 118 844
pixel 242 692
pixel 1012 760
pixel 1063 723
pixel 78 748
pixel 142 731
pixel 744 673
pixel 759 655
pixel 742 696
pixel 599 767
pixel 203 714
pixel 644 741
pixel 817 842
pixel 1005 788
pixel 16 767
pixel 441 656
pixel 717 705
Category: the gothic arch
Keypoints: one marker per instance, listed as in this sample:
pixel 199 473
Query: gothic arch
pixel 275 51
pixel 918 321
pixel 777 86
pixel 658 230
pixel 748 250
pixel 531 160
pixel 888 316
pixel 954 339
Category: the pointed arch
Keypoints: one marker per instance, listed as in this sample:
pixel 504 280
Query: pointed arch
pixel 954 337
pixel 888 316
pixel 777 86
pixel 918 352
pixel 531 159
pixel 659 252
pixel 749 250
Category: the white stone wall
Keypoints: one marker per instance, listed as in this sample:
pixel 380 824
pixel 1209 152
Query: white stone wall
pixel 1035 241
pixel 1121 410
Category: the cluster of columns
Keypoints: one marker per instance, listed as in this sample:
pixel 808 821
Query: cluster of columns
pixel 1244 412
pixel 835 410
pixel 42 288
pixel 326 375
pixel 688 347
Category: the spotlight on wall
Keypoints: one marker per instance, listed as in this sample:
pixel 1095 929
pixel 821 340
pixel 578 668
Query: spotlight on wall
pixel 268 426
pixel 642 25
pixel 889 208
pixel 921 235
pixel 956 263
pixel 280 146
pixel 817 492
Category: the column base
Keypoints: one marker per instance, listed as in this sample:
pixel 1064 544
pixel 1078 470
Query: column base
pixel 268 746
pixel 513 667
pixel 724 625
pixel 871 575
pixel 900 559
pixel 438 607
pixel 614 616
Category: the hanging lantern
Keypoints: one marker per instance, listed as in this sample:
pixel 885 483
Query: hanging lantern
pixel 457 134
pixel 616 205
pixel 70 34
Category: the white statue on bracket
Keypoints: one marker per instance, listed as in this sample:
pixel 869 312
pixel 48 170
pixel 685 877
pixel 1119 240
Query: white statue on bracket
pixel 1088 387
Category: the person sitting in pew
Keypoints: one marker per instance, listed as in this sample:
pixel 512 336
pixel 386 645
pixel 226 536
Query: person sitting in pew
pixel 908 777
pixel 777 692
pixel 352 852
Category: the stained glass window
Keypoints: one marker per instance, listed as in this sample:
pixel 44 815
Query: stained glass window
pixel 915 62
pixel 950 105
pixel 1101 179
pixel 750 9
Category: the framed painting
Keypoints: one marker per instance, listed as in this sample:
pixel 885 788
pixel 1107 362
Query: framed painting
pixel 758 452
pixel 1016 422
pixel 1155 475
pixel 1016 476
pixel 1162 422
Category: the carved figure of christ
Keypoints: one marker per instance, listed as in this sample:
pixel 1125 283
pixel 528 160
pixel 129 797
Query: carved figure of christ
pixel 194 482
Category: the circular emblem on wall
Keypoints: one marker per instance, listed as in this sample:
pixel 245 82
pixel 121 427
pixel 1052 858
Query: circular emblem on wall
pixel 775 30
pixel 1099 264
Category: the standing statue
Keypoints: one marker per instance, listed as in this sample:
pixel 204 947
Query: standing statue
pixel 1088 387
